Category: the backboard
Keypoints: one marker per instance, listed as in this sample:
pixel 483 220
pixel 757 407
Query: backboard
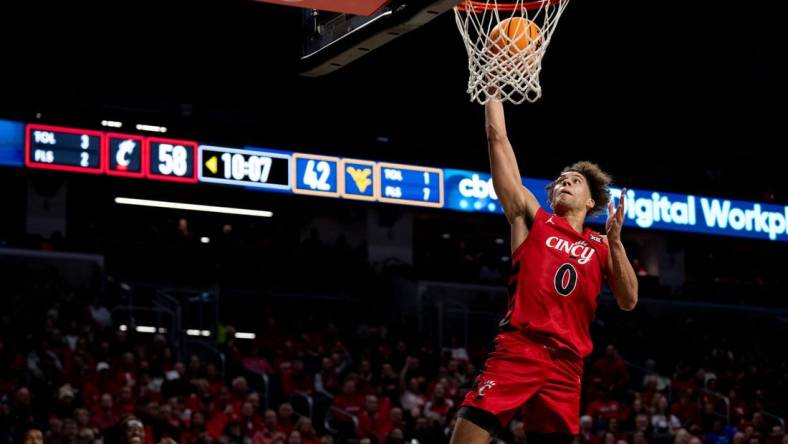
pixel 337 32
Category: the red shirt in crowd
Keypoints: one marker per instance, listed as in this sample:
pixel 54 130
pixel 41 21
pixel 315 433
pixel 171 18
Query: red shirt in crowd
pixel 606 408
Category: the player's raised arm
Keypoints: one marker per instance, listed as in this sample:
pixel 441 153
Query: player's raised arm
pixel 518 202
pixel 621 276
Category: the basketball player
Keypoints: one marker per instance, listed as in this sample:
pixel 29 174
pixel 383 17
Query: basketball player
pixel 558 266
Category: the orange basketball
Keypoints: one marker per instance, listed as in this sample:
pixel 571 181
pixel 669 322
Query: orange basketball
pixel 514 33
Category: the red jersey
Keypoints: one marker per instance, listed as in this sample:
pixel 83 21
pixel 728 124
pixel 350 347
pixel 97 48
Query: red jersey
pixel 557 274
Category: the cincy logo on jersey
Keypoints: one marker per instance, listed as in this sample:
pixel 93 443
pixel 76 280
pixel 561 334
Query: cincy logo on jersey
pixel 579 249
pixel 483 388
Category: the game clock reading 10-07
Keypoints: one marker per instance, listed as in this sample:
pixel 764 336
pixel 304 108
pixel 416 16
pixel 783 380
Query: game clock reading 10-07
pixel 244 167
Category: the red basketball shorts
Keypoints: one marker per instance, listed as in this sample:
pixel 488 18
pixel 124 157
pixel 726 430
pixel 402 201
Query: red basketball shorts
pixel 522 373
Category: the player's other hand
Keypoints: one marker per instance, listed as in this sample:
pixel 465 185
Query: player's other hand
pixel 615 218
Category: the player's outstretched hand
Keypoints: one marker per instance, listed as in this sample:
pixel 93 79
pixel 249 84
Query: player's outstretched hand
pixel 615 218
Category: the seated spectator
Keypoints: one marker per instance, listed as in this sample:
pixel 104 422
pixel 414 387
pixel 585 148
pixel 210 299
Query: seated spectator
pixel 349 400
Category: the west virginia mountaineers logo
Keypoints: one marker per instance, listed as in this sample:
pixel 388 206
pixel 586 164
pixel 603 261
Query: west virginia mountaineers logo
pixel 483 388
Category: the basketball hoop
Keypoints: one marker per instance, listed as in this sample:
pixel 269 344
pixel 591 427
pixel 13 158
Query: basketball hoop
pixel 506 43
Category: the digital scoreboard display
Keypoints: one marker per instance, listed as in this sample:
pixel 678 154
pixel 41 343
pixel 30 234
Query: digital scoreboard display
pixel 125 155
pixel 65 149
pixel 171 160
pixel 410 185
pixel 316 175
pixel 96 152
pixel 244 167
pixel 358 179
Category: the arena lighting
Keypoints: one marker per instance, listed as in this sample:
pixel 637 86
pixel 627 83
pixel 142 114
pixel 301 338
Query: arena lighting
pixel 191 332
pixel 111 123
pixel 192 207
pixel 151 128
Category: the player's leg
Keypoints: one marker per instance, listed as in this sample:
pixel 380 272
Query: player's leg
pixel 467 432
pixel 512 374
pixel 552 416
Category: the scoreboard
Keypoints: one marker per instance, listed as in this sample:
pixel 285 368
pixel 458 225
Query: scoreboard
pixel 171 160
pixel 244 167
pixel 410 185
pixel 66 149
pixel 125 155
pixel 38 146
pixel 186 161
pixel 316 175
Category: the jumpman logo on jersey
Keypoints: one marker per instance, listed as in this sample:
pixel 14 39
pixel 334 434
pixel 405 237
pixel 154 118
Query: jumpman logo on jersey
pixel 550 220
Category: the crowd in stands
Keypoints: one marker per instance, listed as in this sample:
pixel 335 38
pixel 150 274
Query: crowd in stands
pixel 71 375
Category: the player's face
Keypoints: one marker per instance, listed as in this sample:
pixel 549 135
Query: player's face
pixel 571 192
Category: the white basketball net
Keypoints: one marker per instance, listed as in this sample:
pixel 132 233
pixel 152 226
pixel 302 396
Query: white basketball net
pixel 506 73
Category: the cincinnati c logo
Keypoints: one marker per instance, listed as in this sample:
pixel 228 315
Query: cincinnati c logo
pixel 484 388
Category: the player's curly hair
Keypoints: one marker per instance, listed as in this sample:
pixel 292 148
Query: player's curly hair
pixel 598 182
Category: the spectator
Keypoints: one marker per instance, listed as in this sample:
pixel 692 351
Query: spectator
pixel 439 404
pixel 306 431
pixel 651 377
pixel 105 418
pixel 586 433
pixel 34 435
pixel 396 422
pixel 234 433
pixel 610 371
pixel 286 418
pixel 270 427
pixel 70 433
pixel 663 422
pixel 685 409
pixel 327 380
pixel 412 400
pixel 682 437
pixel 131 431
pixel 605 407
pixel 389 382
pixel 65 404
pixel 294 438
pixel 251 423
pixel 350 401
pixel 370 421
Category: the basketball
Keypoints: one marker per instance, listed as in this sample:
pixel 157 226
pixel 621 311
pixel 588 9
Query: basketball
pixel 514 34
